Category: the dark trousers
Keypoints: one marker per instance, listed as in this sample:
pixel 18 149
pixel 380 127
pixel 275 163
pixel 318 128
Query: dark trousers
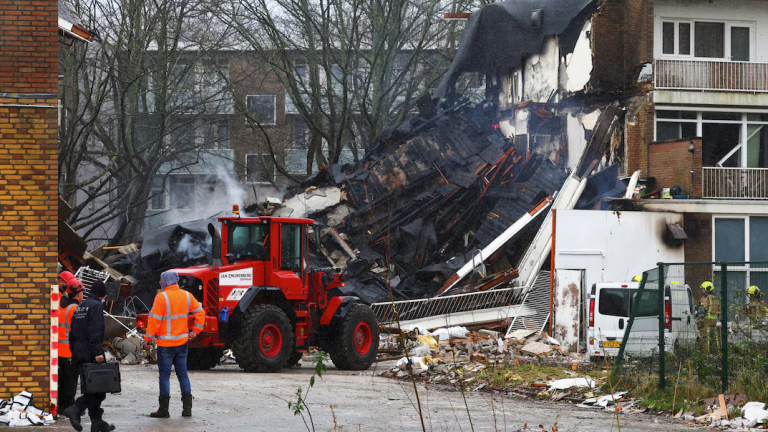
pixel 68 374
pixel 92 401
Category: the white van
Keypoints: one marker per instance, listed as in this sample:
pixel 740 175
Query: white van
pixel 610 304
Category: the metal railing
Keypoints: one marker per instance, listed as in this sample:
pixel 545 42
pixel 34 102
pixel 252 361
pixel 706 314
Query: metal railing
pixel 423 308
pixel 711 75
pixel 735 183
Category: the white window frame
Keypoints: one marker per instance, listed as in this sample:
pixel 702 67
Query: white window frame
pixel 274 108
pixel 744 268
pixel 699 120
pixel 260 155
pixel 692 21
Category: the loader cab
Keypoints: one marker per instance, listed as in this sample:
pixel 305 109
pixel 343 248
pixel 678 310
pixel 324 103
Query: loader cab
pixel 274 248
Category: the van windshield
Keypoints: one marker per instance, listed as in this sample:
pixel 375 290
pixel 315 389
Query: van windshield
pixel 617 302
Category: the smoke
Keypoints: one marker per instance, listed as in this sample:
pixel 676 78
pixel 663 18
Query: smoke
pixel 207 196
pixel 191 247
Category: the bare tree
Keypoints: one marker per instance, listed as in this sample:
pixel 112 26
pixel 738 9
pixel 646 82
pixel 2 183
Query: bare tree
pixel 130 108
pixel 351 68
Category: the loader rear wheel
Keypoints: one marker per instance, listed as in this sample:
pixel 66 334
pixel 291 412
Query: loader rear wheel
pixel 266 341
pixel 203 358
pixel 358 340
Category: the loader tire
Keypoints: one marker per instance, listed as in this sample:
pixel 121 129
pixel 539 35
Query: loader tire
pixel 357 341
pixel 203 358
pixel 266 341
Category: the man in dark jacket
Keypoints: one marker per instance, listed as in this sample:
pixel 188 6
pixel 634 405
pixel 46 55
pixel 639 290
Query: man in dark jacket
pixel 85 340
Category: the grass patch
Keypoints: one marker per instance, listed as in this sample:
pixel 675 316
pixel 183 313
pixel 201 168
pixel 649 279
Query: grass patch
pixel 690 392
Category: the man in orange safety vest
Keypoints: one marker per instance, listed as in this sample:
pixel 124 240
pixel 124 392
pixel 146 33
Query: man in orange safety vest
pixel 168 325
pixel 71 295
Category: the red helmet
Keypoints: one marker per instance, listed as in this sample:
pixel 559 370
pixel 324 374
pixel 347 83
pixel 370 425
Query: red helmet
pixel 74 286
pixel 67 277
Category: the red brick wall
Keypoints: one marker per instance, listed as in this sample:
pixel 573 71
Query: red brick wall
pixel 28 193
pixel 698 248
pixel 638 133
pixel 671 163
pixel 622 41
pixel 29 46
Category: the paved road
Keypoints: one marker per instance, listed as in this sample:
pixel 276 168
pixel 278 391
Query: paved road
pixel 227 398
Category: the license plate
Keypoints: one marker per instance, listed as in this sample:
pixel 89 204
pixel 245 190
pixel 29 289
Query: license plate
pixel 606 344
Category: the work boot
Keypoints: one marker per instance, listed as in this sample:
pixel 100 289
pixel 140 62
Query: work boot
pixel 186 401
pixel 73 413
pixel 101 426
pixel 162 412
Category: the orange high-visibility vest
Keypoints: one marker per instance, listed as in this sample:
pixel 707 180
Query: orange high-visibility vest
pixel 65 323
pixel 169 315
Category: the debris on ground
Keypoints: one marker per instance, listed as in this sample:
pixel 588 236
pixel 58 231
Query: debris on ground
pixel 129 350
pixel 19 411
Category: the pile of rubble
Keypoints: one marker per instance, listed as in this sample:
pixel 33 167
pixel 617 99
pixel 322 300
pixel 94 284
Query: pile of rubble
pixel 19 411
pixel 129 350
pixel 720 414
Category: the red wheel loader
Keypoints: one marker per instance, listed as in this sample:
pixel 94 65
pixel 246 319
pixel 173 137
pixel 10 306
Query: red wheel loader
pixel 263 301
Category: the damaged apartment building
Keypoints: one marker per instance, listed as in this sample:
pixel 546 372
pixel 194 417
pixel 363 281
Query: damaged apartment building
pixel 676 90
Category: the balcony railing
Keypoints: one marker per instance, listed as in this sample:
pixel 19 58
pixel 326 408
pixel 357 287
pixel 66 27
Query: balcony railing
pixel 711 75
pixel 735 183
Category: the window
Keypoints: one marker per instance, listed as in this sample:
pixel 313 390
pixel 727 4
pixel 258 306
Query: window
pixel 259 168
pixel 614 302
pixel 710 39
pixel 182 134
pixel 216 134
pixel 741 239
pixel 157 194
pixel 300 133
pixel 290 247
pixel 723 134
pixel 182 192
pixel 707 39
pixel 249 241
pixel 262 108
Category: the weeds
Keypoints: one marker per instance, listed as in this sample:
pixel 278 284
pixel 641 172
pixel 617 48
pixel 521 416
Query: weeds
pixel 300 405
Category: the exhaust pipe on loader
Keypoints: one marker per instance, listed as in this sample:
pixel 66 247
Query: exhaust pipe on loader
pixel 215 245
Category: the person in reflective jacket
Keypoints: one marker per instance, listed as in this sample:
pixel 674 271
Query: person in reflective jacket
pixel 85 340
pixel 168 325
pixel 68 373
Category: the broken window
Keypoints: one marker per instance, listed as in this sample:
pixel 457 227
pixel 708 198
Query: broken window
pixel 259 168
pixel 262 108
pixel 182 192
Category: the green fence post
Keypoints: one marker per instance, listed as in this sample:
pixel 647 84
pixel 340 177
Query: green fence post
pixel 662 380
pixel 724 323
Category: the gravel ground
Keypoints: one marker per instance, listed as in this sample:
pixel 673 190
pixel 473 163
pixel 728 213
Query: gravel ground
pixel 228 398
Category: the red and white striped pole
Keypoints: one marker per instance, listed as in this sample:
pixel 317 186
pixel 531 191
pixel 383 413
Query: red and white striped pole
pixel 54 394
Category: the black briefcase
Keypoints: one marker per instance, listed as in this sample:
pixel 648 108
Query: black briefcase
pixel 100 378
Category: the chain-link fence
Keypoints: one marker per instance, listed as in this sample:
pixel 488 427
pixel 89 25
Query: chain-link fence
pixel 711 322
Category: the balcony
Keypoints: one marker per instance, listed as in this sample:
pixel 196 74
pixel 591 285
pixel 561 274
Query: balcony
pixel 735 183
pixel 711 75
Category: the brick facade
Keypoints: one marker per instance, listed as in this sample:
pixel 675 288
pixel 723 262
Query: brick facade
pixel 671 163
pixel 28 192
pixel 698 248
pixel 622 41
pixel 638 133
